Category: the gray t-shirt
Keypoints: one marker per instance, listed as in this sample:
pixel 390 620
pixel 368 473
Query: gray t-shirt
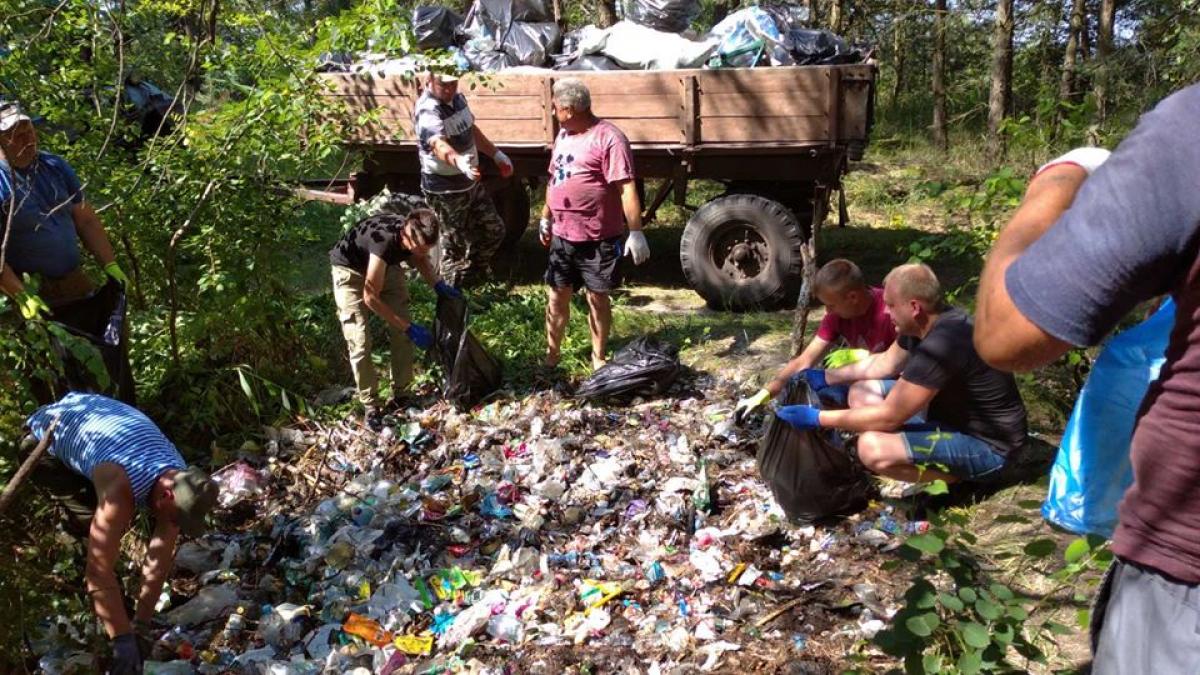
pixel 1132 233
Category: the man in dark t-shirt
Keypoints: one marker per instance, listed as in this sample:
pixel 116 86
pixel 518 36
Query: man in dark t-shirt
pixel 367 275
pixel 1075 258
pixel 973 418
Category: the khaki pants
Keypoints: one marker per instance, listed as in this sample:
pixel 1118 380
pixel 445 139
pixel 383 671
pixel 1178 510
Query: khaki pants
pixel 352 314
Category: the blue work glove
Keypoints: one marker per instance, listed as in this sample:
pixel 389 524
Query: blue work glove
pixel 815 377
pixel 127 659
pixel 419 335
pixel 446 290
pixel 803 417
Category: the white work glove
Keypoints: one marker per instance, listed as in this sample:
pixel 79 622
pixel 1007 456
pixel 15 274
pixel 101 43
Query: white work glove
pixel 467 166
pixel 636 247
pixel 1089 159
pixel 545 230
pixel 503 163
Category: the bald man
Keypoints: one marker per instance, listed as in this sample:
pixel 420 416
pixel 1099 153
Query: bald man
pixel 948 416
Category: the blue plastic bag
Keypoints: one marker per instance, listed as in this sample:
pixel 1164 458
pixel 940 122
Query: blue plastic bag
pixel 1092 469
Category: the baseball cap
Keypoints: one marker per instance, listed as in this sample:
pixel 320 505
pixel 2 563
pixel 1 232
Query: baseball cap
pixel 446 78
pixel 195 495
pixel 11 115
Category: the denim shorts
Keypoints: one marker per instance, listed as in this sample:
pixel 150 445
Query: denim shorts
pixel 964 456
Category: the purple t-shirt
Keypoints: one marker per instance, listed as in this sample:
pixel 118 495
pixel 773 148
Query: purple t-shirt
pixel 873 331
pixel 1132 233
pixel 584 193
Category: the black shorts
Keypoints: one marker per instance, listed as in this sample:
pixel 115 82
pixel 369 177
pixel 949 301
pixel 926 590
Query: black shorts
pixel 595 265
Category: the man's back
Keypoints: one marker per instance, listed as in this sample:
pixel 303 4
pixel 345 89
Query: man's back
pixel 94 429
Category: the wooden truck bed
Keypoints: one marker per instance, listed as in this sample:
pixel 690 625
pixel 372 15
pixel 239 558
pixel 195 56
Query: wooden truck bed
pixel 737 110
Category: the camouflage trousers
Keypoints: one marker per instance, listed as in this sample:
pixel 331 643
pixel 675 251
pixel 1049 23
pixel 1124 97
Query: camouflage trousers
pixel 471 233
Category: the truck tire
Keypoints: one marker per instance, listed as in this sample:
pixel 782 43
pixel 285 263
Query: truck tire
pixel 742 252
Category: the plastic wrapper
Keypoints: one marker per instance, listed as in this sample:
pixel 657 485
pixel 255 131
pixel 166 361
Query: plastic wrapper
pixel 747 35
pixel 237 482
pixel 435 27
pixel 1092 470
pixel 98 319
pixel 670 16
pixel 810 473
pixel 643 367
pixel 471 373
pixel 637 47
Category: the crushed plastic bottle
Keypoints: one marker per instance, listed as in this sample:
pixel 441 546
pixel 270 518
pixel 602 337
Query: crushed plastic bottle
pixel 367 629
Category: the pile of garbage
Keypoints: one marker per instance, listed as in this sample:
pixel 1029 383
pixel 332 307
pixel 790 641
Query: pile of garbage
pixel 524 535
pixel 653 35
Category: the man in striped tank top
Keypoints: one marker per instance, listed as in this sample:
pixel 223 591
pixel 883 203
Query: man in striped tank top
pixel 105 460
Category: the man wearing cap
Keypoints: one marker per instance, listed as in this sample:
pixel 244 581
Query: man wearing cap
pixel 448 144
pixel 106 459
pixel 44 216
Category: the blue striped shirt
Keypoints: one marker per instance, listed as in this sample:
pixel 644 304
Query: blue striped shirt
pixel 94 429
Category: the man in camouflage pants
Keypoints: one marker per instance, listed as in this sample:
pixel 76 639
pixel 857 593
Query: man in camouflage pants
pixel 448 145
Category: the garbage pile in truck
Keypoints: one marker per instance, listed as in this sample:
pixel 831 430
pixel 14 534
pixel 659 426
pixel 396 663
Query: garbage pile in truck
pixel 521 35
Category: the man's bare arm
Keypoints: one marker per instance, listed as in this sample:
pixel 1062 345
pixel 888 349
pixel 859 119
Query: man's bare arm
pixel 160 557
pixel 114 512
pixel 811 355
pixel 885 364
pixel 91 233
pixel 1004 337
pixel 903 401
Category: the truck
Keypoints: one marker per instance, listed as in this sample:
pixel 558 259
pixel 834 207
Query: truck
pixel 778 139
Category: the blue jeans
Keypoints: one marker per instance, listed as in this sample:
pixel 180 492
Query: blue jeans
pixel 964 456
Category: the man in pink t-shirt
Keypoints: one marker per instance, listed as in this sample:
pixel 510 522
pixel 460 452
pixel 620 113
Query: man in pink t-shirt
pixel 854 313
pixel 590 199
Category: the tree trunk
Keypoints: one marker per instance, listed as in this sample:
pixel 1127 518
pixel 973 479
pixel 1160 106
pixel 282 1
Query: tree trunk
pixel 608 12
pixel 835 15
pixel 998 100
pixel 1104 49
pixel 556 7
pixel 939 73
pixel 1066 85
pixel 898 58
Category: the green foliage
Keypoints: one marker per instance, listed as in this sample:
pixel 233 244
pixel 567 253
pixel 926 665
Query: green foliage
pixel 959 618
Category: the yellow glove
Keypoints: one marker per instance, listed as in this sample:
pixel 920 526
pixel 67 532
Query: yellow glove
pixel 31 305
pixel 114 270
pixel 750 404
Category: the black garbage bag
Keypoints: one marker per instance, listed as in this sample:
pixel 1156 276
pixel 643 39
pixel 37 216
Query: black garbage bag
pixel 821 48
pixel 670 16
pixel 644 367
pixel 483 56
pixel 492 18
pixel 471 373
pixel 531 44
pixel 435 27
pixel 100 320
pixel 591 62
pixel 811 473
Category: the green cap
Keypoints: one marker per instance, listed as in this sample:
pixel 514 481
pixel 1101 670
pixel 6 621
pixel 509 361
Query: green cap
pixel 195 495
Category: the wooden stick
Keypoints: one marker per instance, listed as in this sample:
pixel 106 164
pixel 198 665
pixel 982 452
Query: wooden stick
pixel 773 615
pixel 10 490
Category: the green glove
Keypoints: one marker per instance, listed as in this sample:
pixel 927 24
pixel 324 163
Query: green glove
pixel 31 305
pixel 114 270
